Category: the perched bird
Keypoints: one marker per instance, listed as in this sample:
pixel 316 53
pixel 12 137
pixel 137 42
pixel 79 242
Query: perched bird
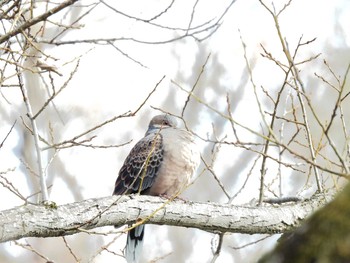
pixel 160 164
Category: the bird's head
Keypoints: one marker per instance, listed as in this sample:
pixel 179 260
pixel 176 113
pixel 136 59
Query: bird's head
pixel 161 122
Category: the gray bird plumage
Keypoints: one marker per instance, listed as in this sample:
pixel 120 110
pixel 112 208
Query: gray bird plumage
pixel 161 163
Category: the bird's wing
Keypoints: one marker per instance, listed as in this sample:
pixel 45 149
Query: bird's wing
pixel 141 166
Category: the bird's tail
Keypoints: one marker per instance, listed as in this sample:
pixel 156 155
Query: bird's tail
pixel 134 244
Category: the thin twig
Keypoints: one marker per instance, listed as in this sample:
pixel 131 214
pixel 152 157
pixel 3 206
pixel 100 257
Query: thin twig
pixel 29 247
pixel 54 94
pixel 36 20
pixel 2 143
pixel 194 86
pixel 299 88
pixel 274 140
pixel 73 141
pixel 70 250
pixel 270 127
pixel 218 247
pixel 41 172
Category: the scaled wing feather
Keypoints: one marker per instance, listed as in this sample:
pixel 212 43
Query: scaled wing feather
pixel 140 168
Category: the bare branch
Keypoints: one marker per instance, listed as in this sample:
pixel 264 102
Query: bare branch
pixel 73 141
pixel 41 171
pixel 194 86
pixel 7 135
pixel 36 20
pixel 54 94
pixel 299 88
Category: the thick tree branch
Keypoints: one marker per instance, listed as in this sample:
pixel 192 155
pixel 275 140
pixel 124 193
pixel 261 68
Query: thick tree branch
pixel 49 221
pixel 324 237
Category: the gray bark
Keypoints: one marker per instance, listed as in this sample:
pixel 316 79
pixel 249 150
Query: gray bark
pixel 50 221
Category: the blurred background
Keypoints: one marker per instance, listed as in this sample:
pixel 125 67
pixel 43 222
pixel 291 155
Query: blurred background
pixel 106 57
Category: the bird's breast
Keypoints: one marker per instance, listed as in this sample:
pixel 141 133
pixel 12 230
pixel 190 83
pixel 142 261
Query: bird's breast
pixel 180 160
